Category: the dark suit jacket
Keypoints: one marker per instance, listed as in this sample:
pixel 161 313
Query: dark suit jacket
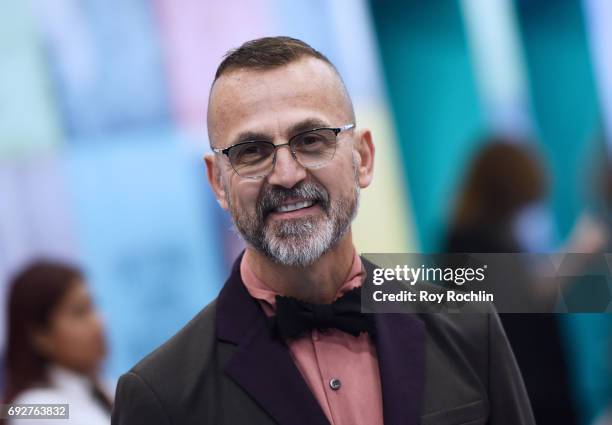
pixel 225 367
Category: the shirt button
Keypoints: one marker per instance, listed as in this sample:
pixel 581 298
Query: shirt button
pixel 335 384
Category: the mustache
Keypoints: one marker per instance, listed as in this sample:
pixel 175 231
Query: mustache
pixel 273 197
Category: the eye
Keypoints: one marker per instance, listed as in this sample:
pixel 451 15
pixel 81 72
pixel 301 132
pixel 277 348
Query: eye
pixel 250 150
pixel 250 153
pixel 310 141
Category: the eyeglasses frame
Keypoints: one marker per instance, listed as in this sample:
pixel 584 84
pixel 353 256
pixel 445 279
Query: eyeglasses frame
pixel 225 151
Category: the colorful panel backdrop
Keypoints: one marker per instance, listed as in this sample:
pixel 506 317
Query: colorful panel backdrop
pixel 118 94
pixel 102 132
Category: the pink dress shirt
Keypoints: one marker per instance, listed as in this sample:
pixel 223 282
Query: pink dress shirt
pixel 323 356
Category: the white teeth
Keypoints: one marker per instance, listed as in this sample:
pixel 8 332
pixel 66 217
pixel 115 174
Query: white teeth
pixel 293 207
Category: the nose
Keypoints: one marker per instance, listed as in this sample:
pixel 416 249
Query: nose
pixel 287 172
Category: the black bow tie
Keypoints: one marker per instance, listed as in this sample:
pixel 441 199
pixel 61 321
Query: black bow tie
pixel 294 317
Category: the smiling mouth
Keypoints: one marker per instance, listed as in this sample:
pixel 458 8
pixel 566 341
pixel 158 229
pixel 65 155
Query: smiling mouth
pixel 294 206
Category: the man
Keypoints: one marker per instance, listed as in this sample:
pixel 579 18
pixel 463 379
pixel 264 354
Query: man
pixel 288 164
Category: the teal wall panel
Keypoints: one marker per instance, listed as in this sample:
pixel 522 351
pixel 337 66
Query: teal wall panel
pixel 434 99
pixel 563 97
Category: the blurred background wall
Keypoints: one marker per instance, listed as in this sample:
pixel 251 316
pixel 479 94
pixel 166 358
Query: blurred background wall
pixel 102 133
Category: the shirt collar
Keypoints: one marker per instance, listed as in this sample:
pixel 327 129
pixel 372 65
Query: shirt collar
pixel 260 291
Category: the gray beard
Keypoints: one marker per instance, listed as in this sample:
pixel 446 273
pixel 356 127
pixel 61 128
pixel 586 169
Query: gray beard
pixel 297 242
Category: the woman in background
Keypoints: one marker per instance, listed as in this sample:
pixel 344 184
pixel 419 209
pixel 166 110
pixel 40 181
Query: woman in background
pixel 55 345
pixel 505 183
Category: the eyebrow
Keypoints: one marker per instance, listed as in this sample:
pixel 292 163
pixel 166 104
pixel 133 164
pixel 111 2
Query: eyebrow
pixel 304 125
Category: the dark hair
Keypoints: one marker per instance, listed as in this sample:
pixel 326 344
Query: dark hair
pixel 503 177
pixel 268 53
pixel 35 293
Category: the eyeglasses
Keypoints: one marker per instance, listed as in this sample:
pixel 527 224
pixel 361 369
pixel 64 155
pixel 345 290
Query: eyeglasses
pixel 255 159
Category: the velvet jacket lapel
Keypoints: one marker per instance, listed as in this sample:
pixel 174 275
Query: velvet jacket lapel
pixel 263 367
pixel 262 364
pixel 400 345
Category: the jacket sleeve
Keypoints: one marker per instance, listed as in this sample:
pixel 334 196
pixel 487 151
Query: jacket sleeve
pixel 508 398
pixel 136 403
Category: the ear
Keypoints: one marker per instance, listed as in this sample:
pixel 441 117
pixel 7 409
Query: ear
pixel 363 152
pixel 213 171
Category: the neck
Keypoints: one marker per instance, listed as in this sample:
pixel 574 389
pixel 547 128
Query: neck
pixel 84 372
pixel 317 283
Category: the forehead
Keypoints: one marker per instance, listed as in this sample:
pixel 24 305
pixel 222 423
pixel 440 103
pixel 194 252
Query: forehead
pixel 272 101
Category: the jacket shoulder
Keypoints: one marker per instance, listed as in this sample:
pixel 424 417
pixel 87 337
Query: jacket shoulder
pixel 165 386
pixel 182 358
